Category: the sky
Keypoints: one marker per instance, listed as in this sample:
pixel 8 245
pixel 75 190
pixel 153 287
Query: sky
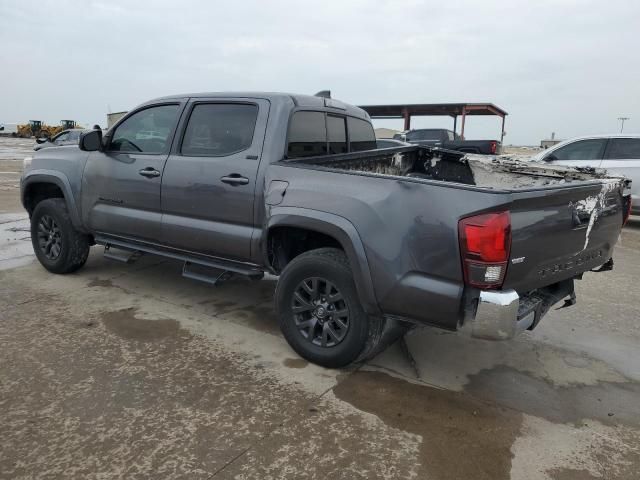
pixel 566 66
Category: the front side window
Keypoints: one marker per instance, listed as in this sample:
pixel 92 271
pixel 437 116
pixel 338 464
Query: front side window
pixel 307 135
pixel 361 135
pixel 146 131
pixel 219 129
pixel 74 136
pixel 624 148
pixel 580 150
pixel 336 134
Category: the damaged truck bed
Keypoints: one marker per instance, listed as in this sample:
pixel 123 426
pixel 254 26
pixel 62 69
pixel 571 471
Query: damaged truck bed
pixel 426 215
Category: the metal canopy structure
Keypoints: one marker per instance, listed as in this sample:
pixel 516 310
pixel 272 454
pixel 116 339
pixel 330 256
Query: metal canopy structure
pixel 453 110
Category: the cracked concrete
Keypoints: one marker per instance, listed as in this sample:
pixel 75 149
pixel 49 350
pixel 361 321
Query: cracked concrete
pixel 131 371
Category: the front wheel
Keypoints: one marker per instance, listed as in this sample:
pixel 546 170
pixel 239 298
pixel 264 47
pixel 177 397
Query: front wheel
pixel 319 310
pixel 60 248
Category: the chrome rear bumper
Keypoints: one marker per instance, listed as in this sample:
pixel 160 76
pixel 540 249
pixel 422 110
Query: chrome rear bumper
pixel 497 317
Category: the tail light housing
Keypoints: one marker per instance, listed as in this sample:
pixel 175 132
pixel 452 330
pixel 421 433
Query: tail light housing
pixel 485 244
pixel 493 146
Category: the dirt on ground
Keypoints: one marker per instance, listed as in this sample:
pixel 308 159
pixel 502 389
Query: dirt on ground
pixel 131 371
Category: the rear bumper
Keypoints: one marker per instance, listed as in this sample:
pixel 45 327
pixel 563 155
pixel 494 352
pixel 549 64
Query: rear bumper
pixel 502 315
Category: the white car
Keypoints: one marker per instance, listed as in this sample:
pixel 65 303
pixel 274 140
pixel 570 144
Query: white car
pixel 618 153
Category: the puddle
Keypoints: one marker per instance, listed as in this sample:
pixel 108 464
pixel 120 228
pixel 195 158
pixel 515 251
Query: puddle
pixel 124 324
pixel 462 437
pixel 608 402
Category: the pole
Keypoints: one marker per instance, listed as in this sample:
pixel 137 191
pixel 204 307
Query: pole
pixel 464 116
pixel 407 120
pixel 502 131
pixel 622 119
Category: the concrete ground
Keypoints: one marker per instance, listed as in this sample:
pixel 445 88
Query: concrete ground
pixel 131 371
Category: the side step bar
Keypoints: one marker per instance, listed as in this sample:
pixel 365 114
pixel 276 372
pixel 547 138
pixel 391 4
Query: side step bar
pixel 222 269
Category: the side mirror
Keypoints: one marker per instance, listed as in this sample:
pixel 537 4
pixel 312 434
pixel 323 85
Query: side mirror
pixel 42 140
pixel 91 141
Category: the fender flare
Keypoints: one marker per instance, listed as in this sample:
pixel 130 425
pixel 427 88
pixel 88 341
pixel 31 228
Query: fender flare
pixel 343 231
pixel 62 182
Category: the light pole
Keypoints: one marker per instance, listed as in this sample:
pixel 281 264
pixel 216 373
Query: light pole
pixel 622 119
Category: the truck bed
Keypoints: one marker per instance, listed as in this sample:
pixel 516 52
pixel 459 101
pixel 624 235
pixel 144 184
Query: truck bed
pixel 564 221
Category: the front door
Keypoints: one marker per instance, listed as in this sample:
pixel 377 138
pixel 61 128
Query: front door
pixel 121 185
pixel 209 180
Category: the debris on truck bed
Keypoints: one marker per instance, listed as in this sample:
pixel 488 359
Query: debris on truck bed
pixel 501 172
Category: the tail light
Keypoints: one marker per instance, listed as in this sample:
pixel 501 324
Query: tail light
pixel 485 243
pixel 627 210
pixel 493 146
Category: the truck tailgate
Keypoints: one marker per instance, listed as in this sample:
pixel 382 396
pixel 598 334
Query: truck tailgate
pixel 558 233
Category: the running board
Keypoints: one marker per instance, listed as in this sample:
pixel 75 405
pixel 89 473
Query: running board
pixel 252 271
pixel 214 276
pixel 121 255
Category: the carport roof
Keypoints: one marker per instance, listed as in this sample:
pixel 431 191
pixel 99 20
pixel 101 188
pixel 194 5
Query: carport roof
pixel 432 109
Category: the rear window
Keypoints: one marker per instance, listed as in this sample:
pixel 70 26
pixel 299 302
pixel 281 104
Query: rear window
pixel 336 134
pixel 424 135
pixel 624 148
pixel 307 135
pixel 361 135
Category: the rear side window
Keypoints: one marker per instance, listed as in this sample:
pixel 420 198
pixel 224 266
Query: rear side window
pixel 336 134
pixel 219 129
pixel 581 150
pixel 624 148
pixel 361 135
pixel 307 135
pixel 146 131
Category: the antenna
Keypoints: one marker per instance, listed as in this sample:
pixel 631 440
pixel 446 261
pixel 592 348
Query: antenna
pixel 323 94
pixel 622 119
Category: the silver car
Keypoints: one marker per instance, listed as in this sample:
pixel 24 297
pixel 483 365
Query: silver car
pixel 618 153
pixel 66 137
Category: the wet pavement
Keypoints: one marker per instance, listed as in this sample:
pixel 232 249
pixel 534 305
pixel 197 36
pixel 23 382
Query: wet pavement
pixel 131 371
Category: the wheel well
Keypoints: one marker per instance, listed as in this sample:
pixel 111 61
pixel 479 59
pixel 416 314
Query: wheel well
pixel 286 243
pixel 36 192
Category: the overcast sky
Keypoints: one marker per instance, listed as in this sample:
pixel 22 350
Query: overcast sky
pixel 566 66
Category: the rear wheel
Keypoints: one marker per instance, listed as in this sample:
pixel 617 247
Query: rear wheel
pixel 59 247
pixel 319 310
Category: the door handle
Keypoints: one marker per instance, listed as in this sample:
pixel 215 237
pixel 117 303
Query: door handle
pixel 235 179
pixel 149 172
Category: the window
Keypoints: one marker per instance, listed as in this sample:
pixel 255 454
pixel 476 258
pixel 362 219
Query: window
pixel 74 135
pixel 63 137
pixel 424 135
pixel 219 129
pixel 624 148
pixel 580 150
pixel 146 131
pixel 361 135
pixel 336 134
pixel 307 135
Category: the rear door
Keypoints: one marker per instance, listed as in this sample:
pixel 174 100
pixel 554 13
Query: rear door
pixel 581 153
pixel 209 181
pixel 623 157
pixel 121 185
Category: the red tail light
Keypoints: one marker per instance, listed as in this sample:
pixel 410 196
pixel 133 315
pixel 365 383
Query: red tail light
pixel 493 146
pixel 485 242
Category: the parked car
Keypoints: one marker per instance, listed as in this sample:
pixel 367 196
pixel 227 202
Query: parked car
pixel 443 138
pixel 363 242
pixel 390 143
pixel 617 153
pixel 65 137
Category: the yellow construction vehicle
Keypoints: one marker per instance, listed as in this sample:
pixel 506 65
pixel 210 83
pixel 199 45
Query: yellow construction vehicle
pixel 31 129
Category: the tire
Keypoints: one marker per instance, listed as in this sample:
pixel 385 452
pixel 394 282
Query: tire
pixel 303 323
pixel 60 248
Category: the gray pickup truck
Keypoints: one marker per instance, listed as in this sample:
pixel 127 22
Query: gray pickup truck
pixel 364 241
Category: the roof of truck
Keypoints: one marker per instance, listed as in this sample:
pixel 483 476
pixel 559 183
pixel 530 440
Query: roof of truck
pixel 299 100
